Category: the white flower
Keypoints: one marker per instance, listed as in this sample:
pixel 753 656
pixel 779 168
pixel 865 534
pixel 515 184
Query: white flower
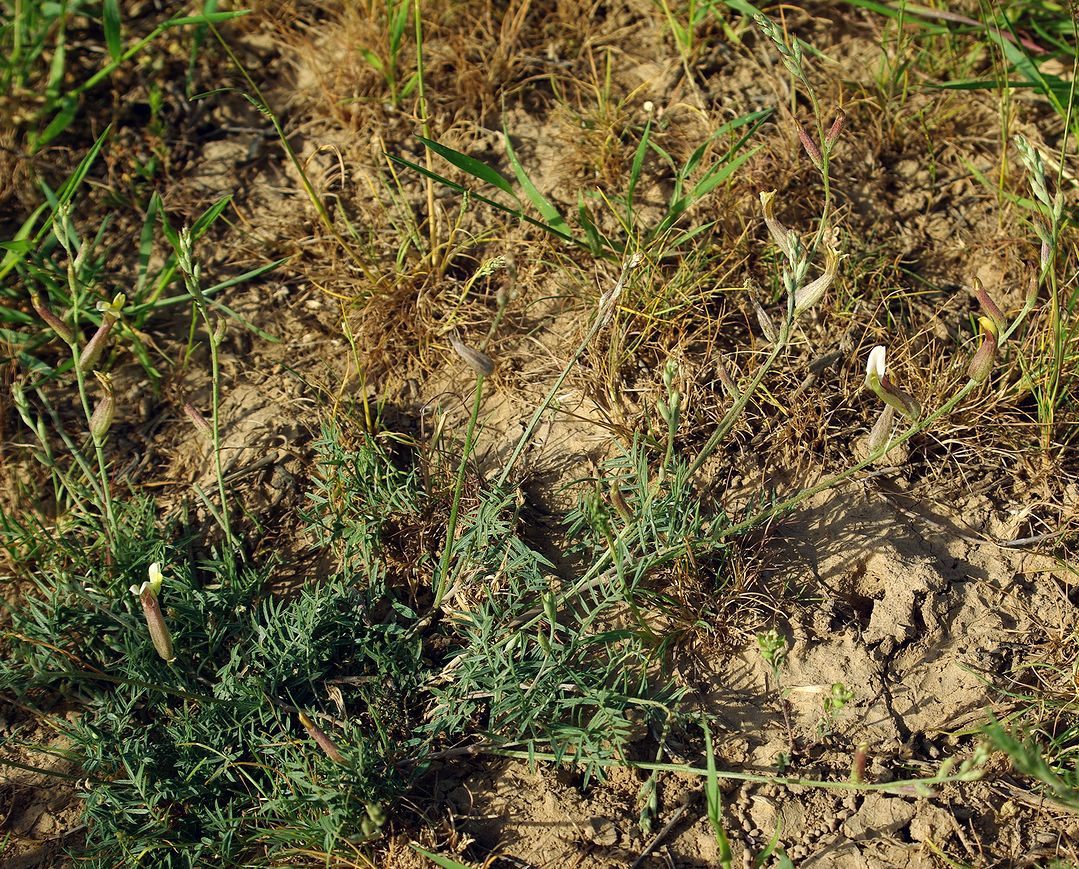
pixel 153 584
pixel 876 379
pixel 875 368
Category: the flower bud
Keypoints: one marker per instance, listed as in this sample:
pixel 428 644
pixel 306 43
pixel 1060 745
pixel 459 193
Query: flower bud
pixel 479 362
pixel 670 374
pixel 151 609
pixel 981 365
pixel 990 308
pixel 324 742
pixel 810 147
pixel 54 322
pixel 101 419
pixel 837 127
pixel 857 767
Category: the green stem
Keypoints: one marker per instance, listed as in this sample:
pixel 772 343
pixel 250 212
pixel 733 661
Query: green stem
pixel 215 422
pixel 598 323
pixel 88 411
pixel 202 306
pixel 731 417
pixel 903 786
pixel 443 578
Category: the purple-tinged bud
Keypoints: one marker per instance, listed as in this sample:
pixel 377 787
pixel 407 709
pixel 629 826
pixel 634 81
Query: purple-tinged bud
pixel 55 323
pixel 324 742
pixel 810 147
pixel 479 362
pixel 837 127
pixel 151 609
pixel 619 501
pixel 990 308
pixel 198 420
pixel 101 419
pixel 981 365
pixel 1046 256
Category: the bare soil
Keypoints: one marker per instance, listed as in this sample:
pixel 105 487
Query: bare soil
pixel 907 587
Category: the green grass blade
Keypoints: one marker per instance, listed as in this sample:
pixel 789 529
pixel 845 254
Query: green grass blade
pixel 110 22
pixel 714 801
pixel 205 220
pixel 439 860
pixel 475 168
pixel 542 204
pixel 505 209
pixel 715 176
pixel 146 246
pixel 635 168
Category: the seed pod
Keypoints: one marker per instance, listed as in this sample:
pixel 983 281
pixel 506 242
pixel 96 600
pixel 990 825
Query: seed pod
pixel 479 362
pixel 882 430
pixel 724 375
pixel 780 234
pixel 324 742
pixel 765 322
